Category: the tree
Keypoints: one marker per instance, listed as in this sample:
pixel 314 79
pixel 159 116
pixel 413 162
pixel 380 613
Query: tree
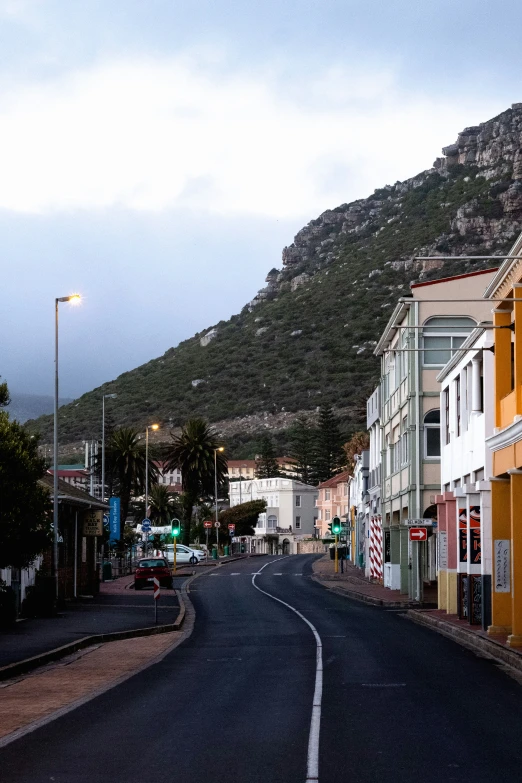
pixel 266 462
pixel 302 449
pixel 329 457
pixel 193 451
pixel 163 506
pixel 125 464
pixel 25 505
pixel 360 441
pixel 243 516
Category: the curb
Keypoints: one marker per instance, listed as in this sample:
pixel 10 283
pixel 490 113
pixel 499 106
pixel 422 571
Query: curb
pixel 489 648
pixel 367 599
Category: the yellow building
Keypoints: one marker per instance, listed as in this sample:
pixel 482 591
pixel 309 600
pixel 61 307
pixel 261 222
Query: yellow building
pixel 506 445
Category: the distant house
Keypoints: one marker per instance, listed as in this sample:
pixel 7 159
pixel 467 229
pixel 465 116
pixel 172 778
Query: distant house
pixel 170 478
pixel 332 501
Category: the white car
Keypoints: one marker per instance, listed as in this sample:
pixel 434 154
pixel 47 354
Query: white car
pixel 184 554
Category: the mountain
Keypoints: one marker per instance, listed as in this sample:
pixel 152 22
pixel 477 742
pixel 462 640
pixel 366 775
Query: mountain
pixel 28 406
pixel 307 337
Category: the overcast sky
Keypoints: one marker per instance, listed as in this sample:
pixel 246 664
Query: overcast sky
pixel 157 155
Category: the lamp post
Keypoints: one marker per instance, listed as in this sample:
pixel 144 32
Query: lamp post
pixel 221 448
pixel 74 299
pixel 149 427
pixel 108 397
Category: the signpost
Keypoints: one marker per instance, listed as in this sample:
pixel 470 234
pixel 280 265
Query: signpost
pixel 92 523
pixel 231 530
pixel 156 598
pixel 418 534
pixel 207 525
pixel 175 526
pixel 336 529
pixel 114 518
pixel 419 522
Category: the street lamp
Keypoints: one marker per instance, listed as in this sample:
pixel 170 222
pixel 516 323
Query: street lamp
pixel 108 397
pixel 149 427
pixel 221 448
pixel 73 299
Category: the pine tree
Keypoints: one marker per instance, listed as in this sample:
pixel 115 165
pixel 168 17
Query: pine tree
pixel 266 463
pixel 329 458
pixel 302 449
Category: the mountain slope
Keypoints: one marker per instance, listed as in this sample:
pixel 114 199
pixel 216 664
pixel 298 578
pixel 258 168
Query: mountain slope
pixel 306 339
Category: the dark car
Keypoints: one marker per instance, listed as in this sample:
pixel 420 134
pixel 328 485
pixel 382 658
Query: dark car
pixel 151 567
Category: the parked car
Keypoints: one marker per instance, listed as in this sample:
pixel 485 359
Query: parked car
pixel 151 567
pixel 184 554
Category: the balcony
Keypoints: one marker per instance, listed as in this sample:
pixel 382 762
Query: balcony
pixel 272 531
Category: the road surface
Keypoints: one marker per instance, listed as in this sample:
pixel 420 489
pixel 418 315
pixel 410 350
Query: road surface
pixel 233 704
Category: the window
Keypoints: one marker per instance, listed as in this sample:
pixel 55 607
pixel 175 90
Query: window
pixel 457 404
pixel 396 449
pixel 298 501
pixel 171 479
pixel 441 337
pixel 327 494
pixel 345 489
pixel 272 522
pixel 432 434
pixel 405 455
pixel 319 513
pixel 446 416
pixel 326 516
pixel 298 523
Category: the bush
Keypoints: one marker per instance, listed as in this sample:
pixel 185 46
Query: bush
pixel 40 598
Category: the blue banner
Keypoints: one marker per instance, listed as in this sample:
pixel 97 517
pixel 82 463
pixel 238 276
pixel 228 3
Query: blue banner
pixel 114 521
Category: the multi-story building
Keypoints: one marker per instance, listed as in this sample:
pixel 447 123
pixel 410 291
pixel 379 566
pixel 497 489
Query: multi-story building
pixel 506 444
pixel 424 331
pixel 464 505
pixel 290 514
pixel 241 469
pixel 170 478
pixel 332 501
pixel 76 475
pixel 359 510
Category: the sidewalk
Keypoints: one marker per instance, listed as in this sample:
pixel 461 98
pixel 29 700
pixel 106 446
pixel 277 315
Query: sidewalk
pixel 116 608
pixel 79 677
pixel 355 585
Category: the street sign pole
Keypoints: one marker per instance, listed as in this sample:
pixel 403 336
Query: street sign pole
pixel 336 554
pixel 206 536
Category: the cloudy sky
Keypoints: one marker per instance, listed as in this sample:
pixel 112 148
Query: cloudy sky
pixel 157 156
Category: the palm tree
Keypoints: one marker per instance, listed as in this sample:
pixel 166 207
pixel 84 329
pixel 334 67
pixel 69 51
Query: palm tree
pixel 193 451
pixel 125 465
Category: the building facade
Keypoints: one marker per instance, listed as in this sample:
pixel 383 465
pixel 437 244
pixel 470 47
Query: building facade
pixel 359 510
pixel 376 544
pixel 464 505
pixel 290 514
pixel 506 445
pixel 332 501
pixel 421 336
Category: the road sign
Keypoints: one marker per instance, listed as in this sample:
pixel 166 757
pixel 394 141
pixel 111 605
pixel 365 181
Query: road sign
pixel 156 588
pixel 217 524
pixel 231 528
pixel 106 520
pixel 419 522
pixel 146 526
pixel 418 534
pixel 207 524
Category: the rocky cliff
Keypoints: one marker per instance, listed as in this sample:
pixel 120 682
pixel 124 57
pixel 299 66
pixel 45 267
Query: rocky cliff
pixel 307 336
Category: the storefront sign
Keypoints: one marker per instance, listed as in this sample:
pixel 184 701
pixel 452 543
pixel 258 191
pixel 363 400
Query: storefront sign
pixel 442 540
pixel 502 554
pixel 463 535
pixel 475 543
pixel 92 523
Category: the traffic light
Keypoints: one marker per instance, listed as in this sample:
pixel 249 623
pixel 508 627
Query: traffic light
pixel 176 527
pixel 330 528
pixel 336 526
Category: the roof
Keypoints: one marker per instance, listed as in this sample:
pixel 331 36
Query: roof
pixel 76 466
pixel 505 268
pixel 241 463
pixel 71 494
pixel 455 277
pixel 335 480
pixel 69 473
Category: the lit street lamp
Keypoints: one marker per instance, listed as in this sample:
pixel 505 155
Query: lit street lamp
pixel 73 299
pixel 221 448
pixel 149 427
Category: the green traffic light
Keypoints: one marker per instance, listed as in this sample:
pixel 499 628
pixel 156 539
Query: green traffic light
pixel 176 527
pixel 336 525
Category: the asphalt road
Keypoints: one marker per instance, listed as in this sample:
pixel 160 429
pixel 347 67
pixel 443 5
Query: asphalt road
pixel 234 703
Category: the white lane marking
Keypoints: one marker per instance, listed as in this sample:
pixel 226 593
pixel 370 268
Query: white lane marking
pixel 297 574
pixel 214 574
pixel 312 764
pixel 276 574
pixel 236 573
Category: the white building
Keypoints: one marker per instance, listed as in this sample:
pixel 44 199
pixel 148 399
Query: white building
pixel 378 551
pixel 290 514
pixel 467 407
pixel 359 507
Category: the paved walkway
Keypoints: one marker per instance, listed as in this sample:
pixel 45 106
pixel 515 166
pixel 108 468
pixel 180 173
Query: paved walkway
pixel 116 608
pixel 355 584
pixel 38 695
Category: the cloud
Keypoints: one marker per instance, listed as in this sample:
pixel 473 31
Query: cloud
pixel 183 133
